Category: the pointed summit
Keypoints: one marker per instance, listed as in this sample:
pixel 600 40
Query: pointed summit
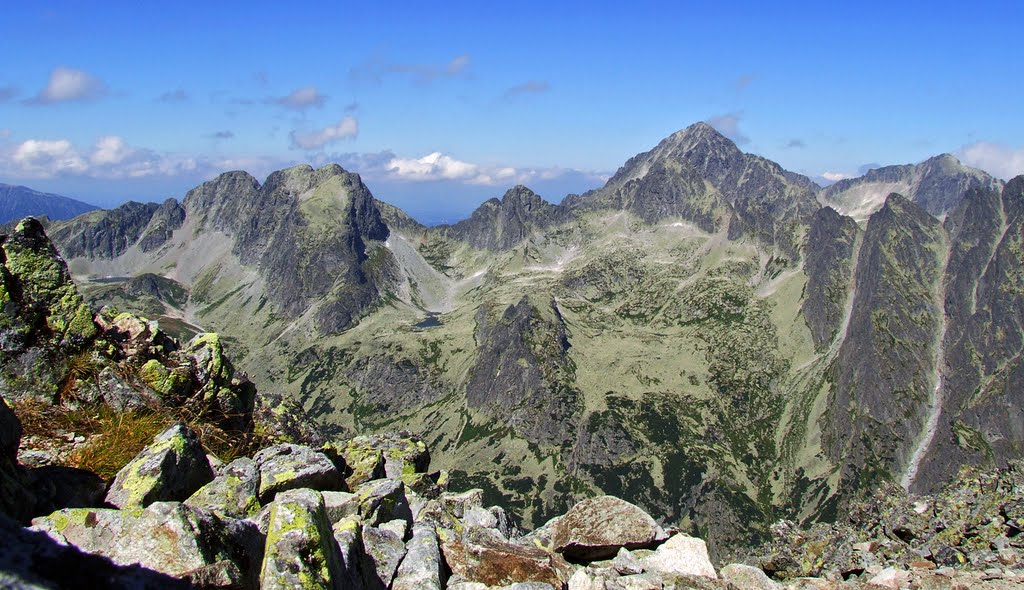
pixel 501 225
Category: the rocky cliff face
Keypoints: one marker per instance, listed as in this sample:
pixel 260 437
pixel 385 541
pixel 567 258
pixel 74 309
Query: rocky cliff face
pixel 982 365
pixel 886 366
pixel 523 378
pixel 831 248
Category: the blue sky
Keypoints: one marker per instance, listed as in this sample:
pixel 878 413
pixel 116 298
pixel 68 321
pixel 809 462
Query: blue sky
pixel 441 105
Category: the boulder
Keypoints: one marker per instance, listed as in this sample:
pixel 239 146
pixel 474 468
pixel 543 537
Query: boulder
pixel 422 567
pixel 745 577
pixel 348 534
pixel 300 549
pixel 32 559
pixel 340 505
pixel 682 555
pixel 173 467
pixel 383 500
pixel 234 493
pixel 228 396
pixel 891 578
pixel 287 467
pixel 384 550
pixel 625 563
pixel 596 528
pixel 16 497
pixel 483 555
pixel 56 487
pixel 167 537
pixel 396 455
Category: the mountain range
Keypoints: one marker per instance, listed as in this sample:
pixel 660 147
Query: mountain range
pixel 710 336
pixel 20 201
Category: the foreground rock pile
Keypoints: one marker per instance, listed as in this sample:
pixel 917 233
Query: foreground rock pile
pixel 364 513
pixel 367 514
pixel 975 524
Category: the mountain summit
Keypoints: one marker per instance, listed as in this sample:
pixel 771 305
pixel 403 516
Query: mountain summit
pixel 937 184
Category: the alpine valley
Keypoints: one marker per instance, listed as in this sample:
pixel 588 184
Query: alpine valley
pixel 709 336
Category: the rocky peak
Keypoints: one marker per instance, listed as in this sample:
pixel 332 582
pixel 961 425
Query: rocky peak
pixel 501 225
pixel 222 203
pixel 938 185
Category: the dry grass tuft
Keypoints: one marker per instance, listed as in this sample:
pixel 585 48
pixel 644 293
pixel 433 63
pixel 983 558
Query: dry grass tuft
pixel 119 437
pixel 114 438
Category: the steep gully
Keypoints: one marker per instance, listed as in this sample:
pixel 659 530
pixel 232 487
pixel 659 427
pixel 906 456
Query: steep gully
pixel 937 395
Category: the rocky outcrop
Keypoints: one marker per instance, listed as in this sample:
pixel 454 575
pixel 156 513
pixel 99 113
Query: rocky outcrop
pixel 108 234
pixel 172 468
pixel 39 301
pixel 523 376
pixel 169 216
pixel 829 263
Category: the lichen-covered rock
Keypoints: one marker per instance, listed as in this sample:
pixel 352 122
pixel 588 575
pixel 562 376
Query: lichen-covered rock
pixel 300 549
pixel 287 467
pixel 596 528
pixel 234 493
pixel 173 467
pixel 384 550
pixel 383 500
pixel 348 534
pixel 422 567
pixel 340 505
pixel 378 456
pixel 229 396
pixel 280 419
pixel 47 293
pixel 167 537
pixel 171 384
pixel 391 455
pixel 682 555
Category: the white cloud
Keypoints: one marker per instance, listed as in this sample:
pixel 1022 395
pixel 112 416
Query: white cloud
pixel 729 126
pixel 302 99
pixel 110 150
pixel 437 166
pixel 313 140
pixel 67 85
pixel 998 160
pixel 111 157
pixel 433 166
pixel 835 176
pixel 39 158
